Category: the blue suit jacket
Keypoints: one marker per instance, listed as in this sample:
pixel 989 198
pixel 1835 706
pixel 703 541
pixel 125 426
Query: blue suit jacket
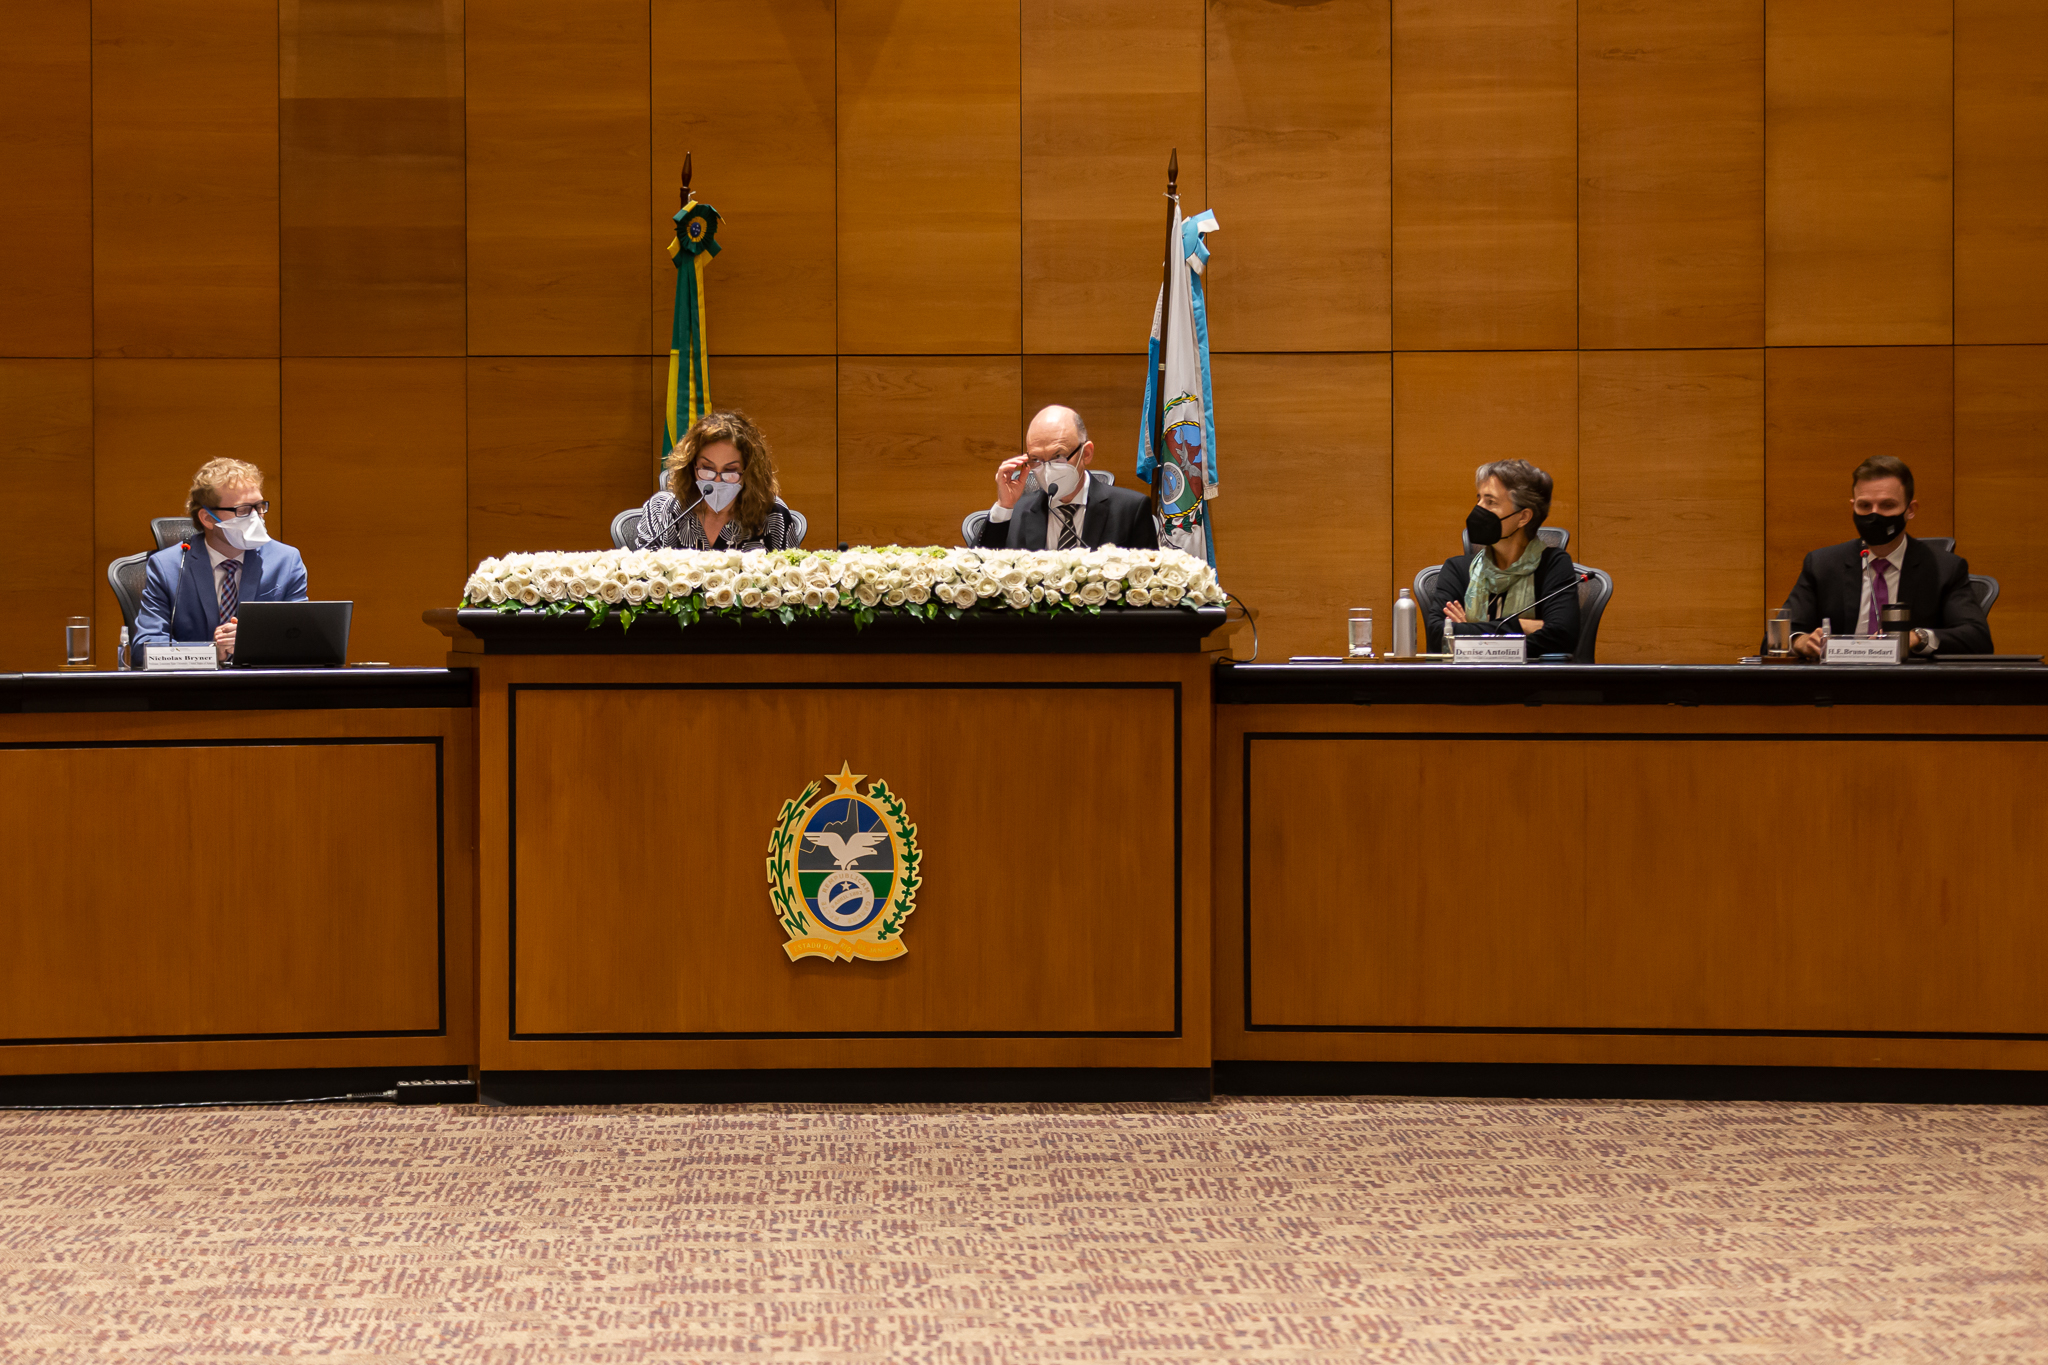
pixel 178 602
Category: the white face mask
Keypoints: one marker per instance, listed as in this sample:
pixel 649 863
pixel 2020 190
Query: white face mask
pixel 244 532
pixel 718 494
pixel 1061 479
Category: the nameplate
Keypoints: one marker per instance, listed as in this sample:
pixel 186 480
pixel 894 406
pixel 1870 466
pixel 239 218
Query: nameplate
pixel 1492 649
pixel 177 658
pixel 1865 649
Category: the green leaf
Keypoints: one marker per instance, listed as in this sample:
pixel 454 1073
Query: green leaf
pixel 786 614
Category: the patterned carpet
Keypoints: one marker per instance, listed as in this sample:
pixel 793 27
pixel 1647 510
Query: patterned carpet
pixel 1364 1230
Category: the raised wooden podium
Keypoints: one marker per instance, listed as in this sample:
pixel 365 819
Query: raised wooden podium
pixel 1057 774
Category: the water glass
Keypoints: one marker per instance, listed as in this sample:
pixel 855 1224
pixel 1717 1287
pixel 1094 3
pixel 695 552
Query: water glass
pixel 1360 627
pixel 1778 635
pixel 78 639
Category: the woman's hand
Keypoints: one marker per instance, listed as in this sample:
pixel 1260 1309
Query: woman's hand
pixel 1528 627
pixel 1454 611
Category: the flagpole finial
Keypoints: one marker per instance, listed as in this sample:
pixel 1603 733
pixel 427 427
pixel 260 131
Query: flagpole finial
pixel 685 196
pixel 1172 172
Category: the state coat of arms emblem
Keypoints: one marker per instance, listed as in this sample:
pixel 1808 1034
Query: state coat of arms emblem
pixel 842 870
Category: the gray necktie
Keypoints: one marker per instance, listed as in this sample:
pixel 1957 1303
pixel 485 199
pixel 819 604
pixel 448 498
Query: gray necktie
pixel 1068 538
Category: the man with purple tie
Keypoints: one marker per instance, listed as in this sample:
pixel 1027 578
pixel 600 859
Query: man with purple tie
pixel 1849 585
pixel 192 589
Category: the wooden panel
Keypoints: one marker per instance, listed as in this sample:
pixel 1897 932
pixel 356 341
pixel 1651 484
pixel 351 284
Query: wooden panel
pixel 379 443
pixel 557 447
pixel 559 216
pixel 333 942
pixel 919 442
pixel 1323 423
pixel 1299 122
pixel 1484 174
pixel 1827 410
pixel 1671 454
pixel 1084 943
pixel 929 163
pixel 2001 430
pixel 370 179
pixel 2001 171
pixel 1453 413
pixel 1109 87
pixel 1671 173
pixel 46 454
pixel 46 164
pixel 154 423
pixel 1349 926
pixel 1858 245
pixel 184 176
pixel 795 402
pixel 759 119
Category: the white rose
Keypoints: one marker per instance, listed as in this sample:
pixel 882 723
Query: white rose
pixel 1091 595
pixel 750 598
pixel 814 598
pixel 657 588
pixel 1067 585
pixel 1139 576
pixel 1052 596
pixel 1113 591
pixel 636 592
pixel 1168 595
pixel 1018 598
pixel 611 591
pixel 770 600
pixel 720 599
pixel 831 596
pixel 919 593
pixel 1011 578
pixel 1137 597
pixel 530 595
pixel 894 597
pixel 867 595
pixel 497 593
pixel 1174 575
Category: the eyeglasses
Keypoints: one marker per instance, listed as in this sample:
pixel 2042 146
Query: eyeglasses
pixel 729 476
pixel 247 509
pixel 1038 466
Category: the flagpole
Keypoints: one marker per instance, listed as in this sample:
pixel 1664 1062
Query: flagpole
pixel 684 197
pixel 1165 325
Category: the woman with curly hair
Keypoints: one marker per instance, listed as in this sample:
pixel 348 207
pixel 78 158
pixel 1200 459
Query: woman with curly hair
pixel 722 492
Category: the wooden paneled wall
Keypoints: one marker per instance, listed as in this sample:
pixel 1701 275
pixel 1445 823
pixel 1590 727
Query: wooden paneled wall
pixel 1695 257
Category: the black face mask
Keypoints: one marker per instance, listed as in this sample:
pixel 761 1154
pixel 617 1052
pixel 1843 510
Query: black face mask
pixel 1877 529
pixel 1483 527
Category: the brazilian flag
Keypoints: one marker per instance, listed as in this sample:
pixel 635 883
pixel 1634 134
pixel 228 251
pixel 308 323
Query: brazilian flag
pixel 689 380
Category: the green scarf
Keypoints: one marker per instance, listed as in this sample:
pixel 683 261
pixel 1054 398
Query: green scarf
pixel 1517 580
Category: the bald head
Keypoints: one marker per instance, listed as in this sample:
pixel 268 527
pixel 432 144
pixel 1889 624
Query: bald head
pixel 1057 426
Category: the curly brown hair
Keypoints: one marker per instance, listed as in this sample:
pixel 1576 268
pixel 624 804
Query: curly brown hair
pixel 759 488
pixel 212 477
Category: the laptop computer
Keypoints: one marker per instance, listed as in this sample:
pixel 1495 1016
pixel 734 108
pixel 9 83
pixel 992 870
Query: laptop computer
pixel 292 634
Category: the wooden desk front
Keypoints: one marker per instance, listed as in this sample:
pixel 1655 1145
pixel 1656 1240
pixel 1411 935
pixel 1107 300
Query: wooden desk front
pixel 236 871
pixel 1463 869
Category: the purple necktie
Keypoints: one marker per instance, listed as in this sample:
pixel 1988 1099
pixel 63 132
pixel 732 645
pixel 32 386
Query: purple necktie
pixel 1880 595
pixel 229 596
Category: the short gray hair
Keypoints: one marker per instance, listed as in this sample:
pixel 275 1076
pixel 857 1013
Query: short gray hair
pixel 1528 487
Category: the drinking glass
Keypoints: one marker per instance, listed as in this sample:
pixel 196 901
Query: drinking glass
pixel 78 639
pixel 1360 627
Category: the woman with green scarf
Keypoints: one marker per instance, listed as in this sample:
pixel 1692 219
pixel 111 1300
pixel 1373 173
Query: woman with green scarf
pixel 1511 579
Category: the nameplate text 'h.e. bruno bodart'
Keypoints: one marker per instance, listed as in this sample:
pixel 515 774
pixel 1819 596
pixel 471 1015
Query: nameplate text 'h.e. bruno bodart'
pixel 842 870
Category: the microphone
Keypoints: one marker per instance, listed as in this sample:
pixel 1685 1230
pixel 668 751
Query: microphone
pixel 1577 579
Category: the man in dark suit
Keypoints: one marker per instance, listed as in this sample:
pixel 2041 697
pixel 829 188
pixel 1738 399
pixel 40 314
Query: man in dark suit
pixel 1850 584
pixel 191 591
pixel 1045 499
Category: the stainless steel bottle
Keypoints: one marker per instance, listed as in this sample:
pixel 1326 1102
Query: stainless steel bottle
pixel 1408 637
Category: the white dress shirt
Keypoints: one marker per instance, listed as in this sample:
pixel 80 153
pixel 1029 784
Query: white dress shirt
pixel 220 575
pixel 1892 566
pixel 1000 514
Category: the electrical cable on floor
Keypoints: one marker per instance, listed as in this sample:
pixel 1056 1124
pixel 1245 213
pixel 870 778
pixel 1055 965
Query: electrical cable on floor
pixel 391 1095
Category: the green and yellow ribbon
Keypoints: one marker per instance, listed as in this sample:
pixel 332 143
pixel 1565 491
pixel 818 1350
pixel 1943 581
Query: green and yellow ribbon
pixel 689 379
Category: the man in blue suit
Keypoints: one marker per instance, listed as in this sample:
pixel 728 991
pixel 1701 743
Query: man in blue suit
pixel 192 590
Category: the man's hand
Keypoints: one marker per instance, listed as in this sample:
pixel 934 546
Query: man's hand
pixel 224 640
pixel 1808 646
pixel 1010 479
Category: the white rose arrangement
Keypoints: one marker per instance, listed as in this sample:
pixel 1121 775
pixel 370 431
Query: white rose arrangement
pixel 919 582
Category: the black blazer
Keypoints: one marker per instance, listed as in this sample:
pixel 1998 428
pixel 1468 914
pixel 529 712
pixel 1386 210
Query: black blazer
pixel 1115 516
pixel 1560 615
pixel 1933 582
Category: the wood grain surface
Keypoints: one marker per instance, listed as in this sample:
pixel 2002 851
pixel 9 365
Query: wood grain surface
pixel 919 442
pixel 1827 409
pixel 1079 940
pixel 1109 87
pixel 1671 454
pixel 795 401
pixel 2001 151
pixel 1859 134
pixel 1299 134
pixel 321 915
pixel 371 235
pixel 1484 170
pixel 184 177
pixel 1456 410
pixel 2001 430
pixel 558 445
pixel 746 88
pixel 558 118
pixel 377 451
pixel 929 163
pixel 1671 173
pixel 46 164
pixel 154 423
pixel 46 444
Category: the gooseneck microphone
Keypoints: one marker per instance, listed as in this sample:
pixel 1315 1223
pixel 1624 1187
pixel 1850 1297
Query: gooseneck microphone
pixel 1577 579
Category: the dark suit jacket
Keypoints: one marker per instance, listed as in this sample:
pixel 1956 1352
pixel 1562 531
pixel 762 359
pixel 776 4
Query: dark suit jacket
pixel 1560 615
pixel 1115 516
pixel 179 605
pixel 1934 583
